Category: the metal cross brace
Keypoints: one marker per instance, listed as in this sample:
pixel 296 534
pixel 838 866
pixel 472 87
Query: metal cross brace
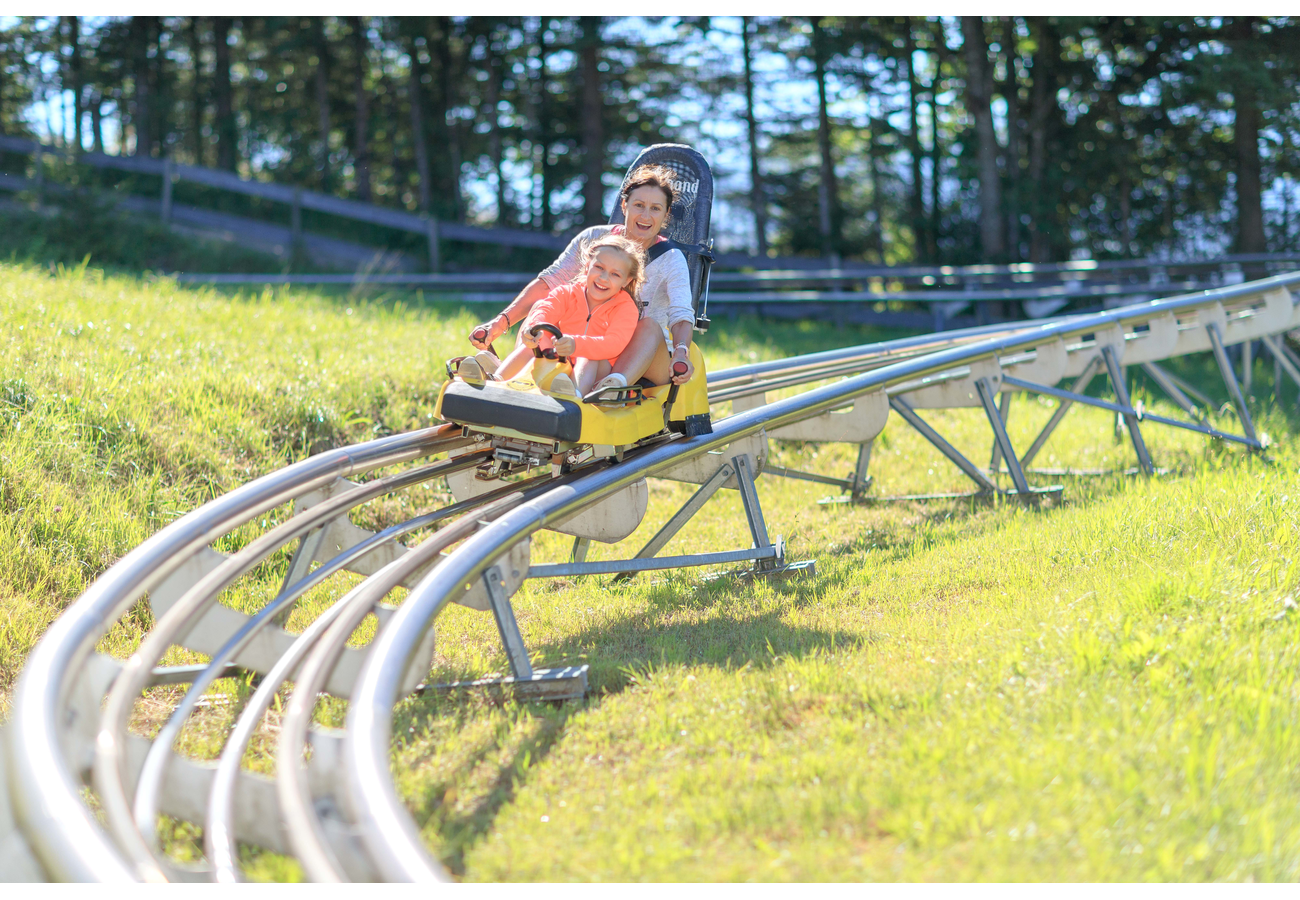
pixel 904 409
pixel 767 555
pixel 783 472
pixel 1142 415
pixel 1171 389
pixel 856 484
pixel 1284 359
pixel 1186 387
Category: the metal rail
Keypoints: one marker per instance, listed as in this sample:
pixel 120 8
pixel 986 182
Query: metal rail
pixel 386 826
pixel 58 732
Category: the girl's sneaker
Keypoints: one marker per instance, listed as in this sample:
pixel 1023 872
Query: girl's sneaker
pixel 470 372
pixel 563 384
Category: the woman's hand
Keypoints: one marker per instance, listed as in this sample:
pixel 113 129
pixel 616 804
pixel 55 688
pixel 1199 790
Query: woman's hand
pixel 681 355
pixel 566 346
pixel 493 330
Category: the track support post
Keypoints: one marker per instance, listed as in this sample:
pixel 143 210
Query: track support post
pixel 1230 380
pixel 861 481
pixel 1284 361
pixel 524 682
pixel 580 547
pixel 1117 382
pixel 1004 413
pixel 300 565
pixel 508 628
pixel 1002 442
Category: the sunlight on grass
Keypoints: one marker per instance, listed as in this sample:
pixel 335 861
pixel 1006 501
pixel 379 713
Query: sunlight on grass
pixel 1102 688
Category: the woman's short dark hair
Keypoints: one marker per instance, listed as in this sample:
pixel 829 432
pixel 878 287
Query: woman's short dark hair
pixel 652 176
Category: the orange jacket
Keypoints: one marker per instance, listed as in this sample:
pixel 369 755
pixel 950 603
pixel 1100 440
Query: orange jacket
pixel 602 333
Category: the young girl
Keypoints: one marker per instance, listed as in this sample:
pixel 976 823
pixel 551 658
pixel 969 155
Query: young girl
pixel 596 314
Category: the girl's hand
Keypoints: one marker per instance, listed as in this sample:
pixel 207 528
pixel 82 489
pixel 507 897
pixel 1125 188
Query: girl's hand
pixel 566 346
pixel 682 355
pixel 528 340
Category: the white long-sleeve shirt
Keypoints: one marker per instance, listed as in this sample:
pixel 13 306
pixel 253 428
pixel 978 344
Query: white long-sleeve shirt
pixel 666 294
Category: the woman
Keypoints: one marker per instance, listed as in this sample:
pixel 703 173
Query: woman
pixel 663 335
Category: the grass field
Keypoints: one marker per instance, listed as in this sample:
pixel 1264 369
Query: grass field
pixel 1101 689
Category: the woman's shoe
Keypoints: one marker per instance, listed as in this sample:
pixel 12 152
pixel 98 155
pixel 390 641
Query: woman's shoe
pixel 612 381
pixel 487 362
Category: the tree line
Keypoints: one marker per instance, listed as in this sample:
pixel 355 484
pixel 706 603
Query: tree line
pixel 884 139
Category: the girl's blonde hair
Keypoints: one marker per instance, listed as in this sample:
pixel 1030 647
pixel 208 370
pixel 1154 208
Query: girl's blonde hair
pixel 635 260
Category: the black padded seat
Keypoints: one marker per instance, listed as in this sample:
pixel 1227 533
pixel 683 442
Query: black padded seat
pixel 503 407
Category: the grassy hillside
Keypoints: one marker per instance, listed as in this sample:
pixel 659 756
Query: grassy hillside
pixel 83 229
pixel 1104 688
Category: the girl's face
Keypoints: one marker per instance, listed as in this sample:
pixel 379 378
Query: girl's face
pixel 609 273
pixel 645 211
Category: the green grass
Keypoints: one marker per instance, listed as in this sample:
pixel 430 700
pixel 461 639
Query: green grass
pixel 1100 689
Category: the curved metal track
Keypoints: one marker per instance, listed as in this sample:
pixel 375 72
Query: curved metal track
pixel 337 811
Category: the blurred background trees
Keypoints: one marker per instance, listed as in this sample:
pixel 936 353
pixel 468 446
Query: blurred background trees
pixel 880 139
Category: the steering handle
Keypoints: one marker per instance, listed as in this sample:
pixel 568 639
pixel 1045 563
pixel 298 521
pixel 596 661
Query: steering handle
pixel 680 366
pixel 480 334
pixel 554 332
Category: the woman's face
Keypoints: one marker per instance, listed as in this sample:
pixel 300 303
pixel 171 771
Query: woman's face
pixel 608 274
pixel 645 211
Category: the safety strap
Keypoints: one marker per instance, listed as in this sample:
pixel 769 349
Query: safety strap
pixel 662 247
